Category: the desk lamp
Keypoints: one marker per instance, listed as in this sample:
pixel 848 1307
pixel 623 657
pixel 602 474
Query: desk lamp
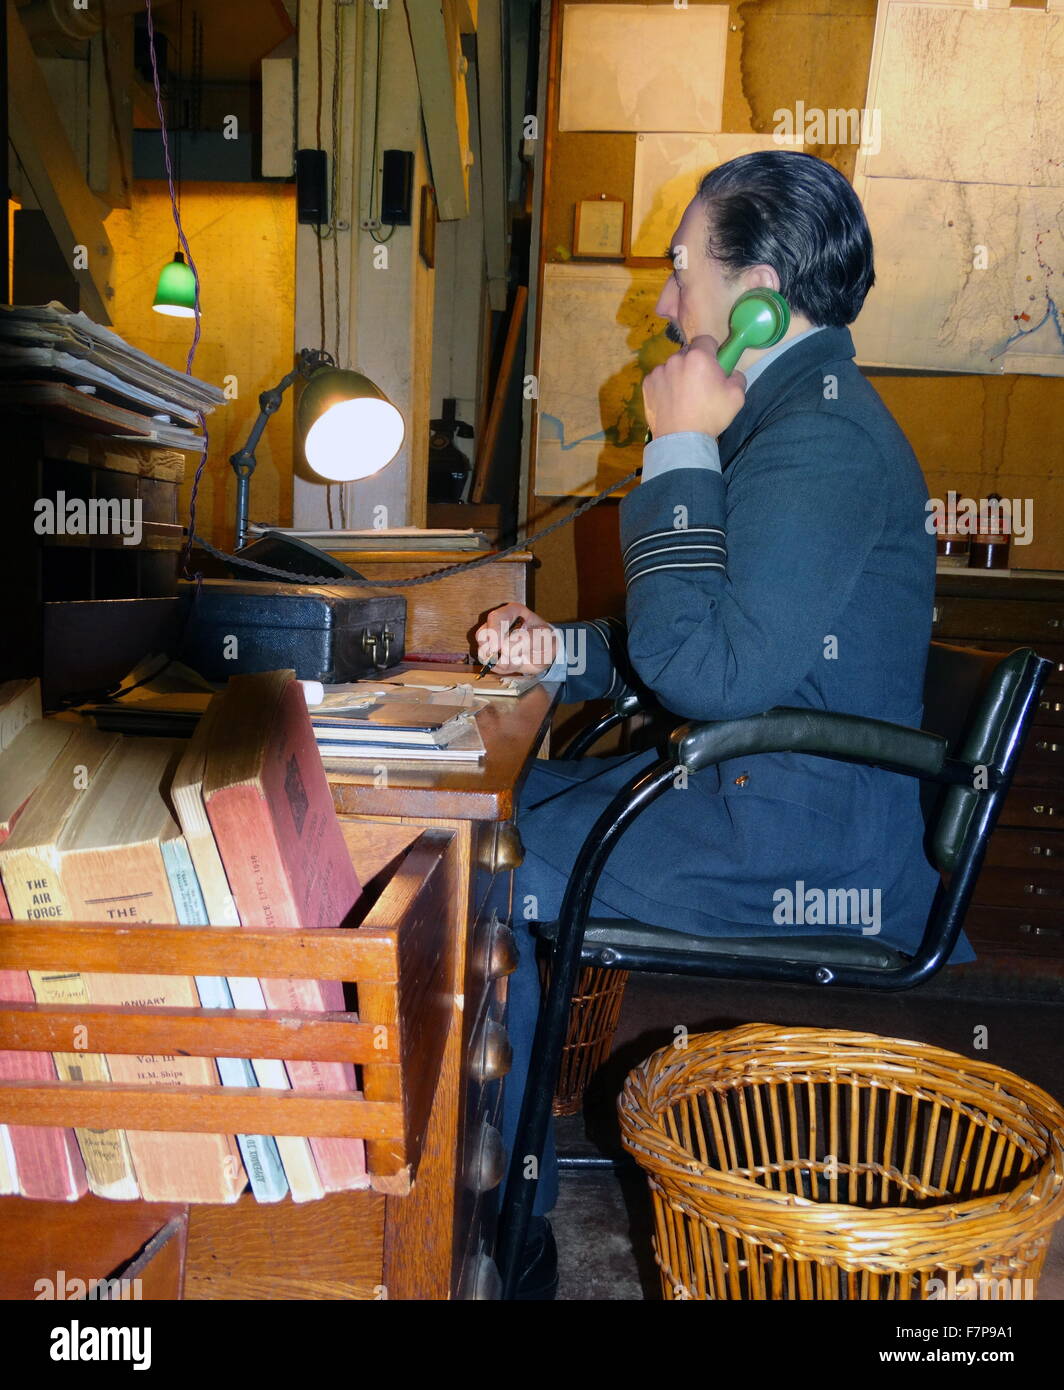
pixel 347 426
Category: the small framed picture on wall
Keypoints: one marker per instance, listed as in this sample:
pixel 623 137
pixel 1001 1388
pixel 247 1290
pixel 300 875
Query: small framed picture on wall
pixel 600 229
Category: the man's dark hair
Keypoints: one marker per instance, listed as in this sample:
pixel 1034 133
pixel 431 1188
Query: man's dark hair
pixel 797 214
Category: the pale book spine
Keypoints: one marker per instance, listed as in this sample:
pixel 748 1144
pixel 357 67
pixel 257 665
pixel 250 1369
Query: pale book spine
pixel 8 1166
pixel 302 1172
pixel 295 1150
pixel 259 1151
pixel 171 1166
pixel 35 894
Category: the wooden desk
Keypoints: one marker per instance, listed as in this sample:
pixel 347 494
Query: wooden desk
pixel 442 616
pixel 453 1202
pixel 435 1241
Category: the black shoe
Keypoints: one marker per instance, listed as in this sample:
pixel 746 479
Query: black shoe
pixel 538 1277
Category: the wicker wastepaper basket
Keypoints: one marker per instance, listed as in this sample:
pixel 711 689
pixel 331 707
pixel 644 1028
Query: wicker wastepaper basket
pixel 594 1014
pixel 801 1163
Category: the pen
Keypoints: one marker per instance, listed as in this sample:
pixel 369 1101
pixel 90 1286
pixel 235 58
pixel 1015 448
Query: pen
pixel 490 665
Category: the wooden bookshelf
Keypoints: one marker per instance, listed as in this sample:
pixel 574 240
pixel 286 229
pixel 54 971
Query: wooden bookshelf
pixel 401 959
pixel 45 458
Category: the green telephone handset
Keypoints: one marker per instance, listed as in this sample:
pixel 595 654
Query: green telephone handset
pixel 758 319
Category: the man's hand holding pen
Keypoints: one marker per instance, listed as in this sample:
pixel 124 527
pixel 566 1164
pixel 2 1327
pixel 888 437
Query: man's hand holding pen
pixel 512 640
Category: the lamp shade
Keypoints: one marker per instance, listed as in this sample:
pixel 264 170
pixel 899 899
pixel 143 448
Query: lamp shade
pixel 175 293
pixel 349 427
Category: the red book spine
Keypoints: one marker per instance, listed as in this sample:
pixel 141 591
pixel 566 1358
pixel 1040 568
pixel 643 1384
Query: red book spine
pixel 288 867
pixel 49 1161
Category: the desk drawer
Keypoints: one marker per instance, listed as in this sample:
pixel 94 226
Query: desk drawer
pixel 1022 888
pixel 1020 849
pixel 1031 931
pixel 1029 623
pixel 1033 806
pixel 1041 761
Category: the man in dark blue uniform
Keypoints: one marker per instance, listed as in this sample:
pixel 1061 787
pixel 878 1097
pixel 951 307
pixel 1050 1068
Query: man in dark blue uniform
pixel 776 552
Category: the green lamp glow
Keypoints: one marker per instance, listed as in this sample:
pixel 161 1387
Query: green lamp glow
pixel 175 293
pixel 758 319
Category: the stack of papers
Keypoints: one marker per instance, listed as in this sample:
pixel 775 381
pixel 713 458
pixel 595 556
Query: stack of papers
pixel 64 364
pixel 363 722
pixel 392 538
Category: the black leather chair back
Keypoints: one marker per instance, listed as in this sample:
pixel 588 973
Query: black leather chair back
pixel 975 700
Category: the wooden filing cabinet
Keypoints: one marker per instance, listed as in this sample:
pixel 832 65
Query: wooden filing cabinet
pixel 1017 913
pixel 478 805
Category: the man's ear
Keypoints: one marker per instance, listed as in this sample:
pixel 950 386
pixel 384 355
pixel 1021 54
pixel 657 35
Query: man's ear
pixel 761 277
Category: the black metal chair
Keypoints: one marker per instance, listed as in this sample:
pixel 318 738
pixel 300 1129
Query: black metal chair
pixel 977 707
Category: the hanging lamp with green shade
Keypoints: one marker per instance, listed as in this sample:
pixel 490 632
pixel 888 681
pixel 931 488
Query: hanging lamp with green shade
pixel 175 293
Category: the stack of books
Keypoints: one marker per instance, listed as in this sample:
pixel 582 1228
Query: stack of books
pixel 61 363
pixel 234 827
pixel 376 726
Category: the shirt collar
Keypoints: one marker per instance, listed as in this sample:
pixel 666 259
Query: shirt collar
pixel 752 373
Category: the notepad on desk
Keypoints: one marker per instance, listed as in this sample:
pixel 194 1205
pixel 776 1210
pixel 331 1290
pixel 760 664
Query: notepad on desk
pixel 400 722
pixel 490 684
pixel 467 747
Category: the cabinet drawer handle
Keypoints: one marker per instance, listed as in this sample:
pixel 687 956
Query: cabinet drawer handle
pixel 1043 850
pixel 1041 931
pixel 502 951
pixel 1044 810
pixel 487 1160
pixel 1052 706
pixel 1043 892
pixel 502 851
pixel 483 1279
pixel 492 1053
pixel 1045 746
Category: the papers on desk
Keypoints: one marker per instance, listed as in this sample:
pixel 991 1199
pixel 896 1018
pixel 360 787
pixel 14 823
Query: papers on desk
pixel 65 364
pixel 391 538
pixel 450 681
pixel 467 747
pixel 370 721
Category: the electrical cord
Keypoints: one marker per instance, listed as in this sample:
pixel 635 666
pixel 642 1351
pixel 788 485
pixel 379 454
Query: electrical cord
pixel 175 210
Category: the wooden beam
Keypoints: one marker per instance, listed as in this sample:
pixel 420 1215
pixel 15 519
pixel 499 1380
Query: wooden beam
pixel 494 171
pixel 110 169
pixel 441 81
pixel 278 118
pixel 74 213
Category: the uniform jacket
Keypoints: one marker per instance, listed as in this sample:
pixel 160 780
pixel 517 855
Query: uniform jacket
pixel 802 574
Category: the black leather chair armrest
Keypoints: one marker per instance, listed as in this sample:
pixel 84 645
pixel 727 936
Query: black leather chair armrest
pixel 846 737
pixel 624 707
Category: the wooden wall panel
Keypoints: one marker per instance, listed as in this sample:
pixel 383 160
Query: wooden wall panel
pixel 976 434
